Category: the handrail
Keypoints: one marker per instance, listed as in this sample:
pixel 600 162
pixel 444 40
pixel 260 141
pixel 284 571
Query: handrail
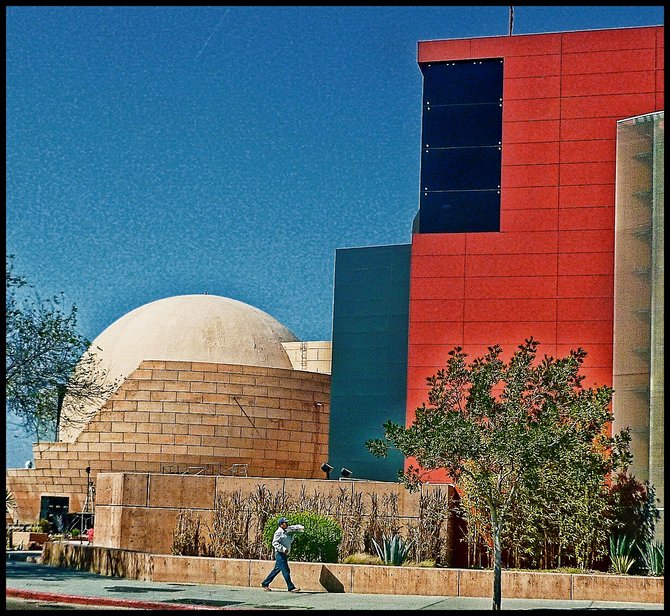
pixel 209 469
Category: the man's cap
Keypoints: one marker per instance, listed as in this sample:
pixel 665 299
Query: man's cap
pixel 282 521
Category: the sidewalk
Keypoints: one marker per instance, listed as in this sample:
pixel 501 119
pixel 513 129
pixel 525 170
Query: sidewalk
pixel 26 580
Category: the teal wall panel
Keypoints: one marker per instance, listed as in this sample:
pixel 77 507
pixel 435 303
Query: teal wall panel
pixel 369 369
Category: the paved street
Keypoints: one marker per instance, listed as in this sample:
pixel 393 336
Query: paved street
pixel 58 586
pixel 12 604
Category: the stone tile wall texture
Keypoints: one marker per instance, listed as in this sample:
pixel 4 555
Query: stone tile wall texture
pixel 549 272
pixel 312 356
pixel 182 414
pixel 138 511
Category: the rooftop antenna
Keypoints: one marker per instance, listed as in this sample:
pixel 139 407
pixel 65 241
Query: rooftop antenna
pixel 511 19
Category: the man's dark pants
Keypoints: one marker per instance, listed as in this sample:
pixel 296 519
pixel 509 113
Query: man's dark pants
pixel 281 566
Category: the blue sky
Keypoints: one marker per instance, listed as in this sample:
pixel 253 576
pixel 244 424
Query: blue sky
pixel 160 151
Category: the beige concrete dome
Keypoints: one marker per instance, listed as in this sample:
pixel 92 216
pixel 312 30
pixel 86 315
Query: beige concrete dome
pixel 205 328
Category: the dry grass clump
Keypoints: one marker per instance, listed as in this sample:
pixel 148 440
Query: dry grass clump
pixel 186 538
pixel 383 521
pixel 237 525
pixel 350 513
pixel 362 558
pixel 424 563
pixel 264 504
pixel 430 540
pixel 229 536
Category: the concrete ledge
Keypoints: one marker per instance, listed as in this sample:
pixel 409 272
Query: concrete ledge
pixel 22 555
pixel 200 570
pixel 404 580
pixel 634 588
pixel 364 579
pixel 516 584
pixel 28 538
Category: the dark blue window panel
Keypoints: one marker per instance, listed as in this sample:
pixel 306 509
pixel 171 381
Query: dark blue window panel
pixel 463 81
pixel 460 169
pixel 462 125
pixel 461 141
pixel 369 367
pixel 451 212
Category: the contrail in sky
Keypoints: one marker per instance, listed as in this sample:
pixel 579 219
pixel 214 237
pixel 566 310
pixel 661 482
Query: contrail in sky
pixel 213 32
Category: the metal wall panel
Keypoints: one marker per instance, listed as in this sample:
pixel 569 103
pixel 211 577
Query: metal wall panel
pixel 369 375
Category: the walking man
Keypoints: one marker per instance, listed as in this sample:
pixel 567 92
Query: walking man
pixel 281 542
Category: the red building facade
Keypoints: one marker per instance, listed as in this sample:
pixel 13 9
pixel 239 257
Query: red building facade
pixel 549 271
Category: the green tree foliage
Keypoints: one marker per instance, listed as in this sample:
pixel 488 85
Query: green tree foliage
pixel 513 436
pixel 634 513
pixel 633 506
pixel 319 541
pixel 45 360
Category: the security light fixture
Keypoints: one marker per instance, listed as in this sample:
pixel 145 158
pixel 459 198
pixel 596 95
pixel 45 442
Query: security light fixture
pixel 345 473
pixel 326 468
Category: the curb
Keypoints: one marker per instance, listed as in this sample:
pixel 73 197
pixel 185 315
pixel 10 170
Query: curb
pixel 81 600
pixel 22 555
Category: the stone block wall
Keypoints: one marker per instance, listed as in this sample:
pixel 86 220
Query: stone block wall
pixel 29 485
pixel 188 414
pixel 138 511
pixel 312 356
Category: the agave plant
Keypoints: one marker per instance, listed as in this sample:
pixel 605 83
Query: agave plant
pixel 621 554
pixel 653 557
pixel 58 522
pixel 393 551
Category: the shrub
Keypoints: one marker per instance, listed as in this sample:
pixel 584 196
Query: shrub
pixel 567 570
pixel 653 557
pixel 43 526
pixel 633 508
pixel 393 550
pixel 317 543
pixel 621 554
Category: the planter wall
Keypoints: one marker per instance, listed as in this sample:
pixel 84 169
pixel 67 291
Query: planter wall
pixel 138 511
pixel 26 538
pixel 370 579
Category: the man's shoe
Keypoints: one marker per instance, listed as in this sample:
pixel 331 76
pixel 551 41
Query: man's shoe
pixel 294 590
pixel 265 588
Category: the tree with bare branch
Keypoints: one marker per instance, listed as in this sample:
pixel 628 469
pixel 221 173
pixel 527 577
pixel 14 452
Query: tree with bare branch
pixel 498 428
pixel 46 359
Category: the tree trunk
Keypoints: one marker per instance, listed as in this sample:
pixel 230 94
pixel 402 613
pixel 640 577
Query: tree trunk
pixel 59 407
pixel 497 562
